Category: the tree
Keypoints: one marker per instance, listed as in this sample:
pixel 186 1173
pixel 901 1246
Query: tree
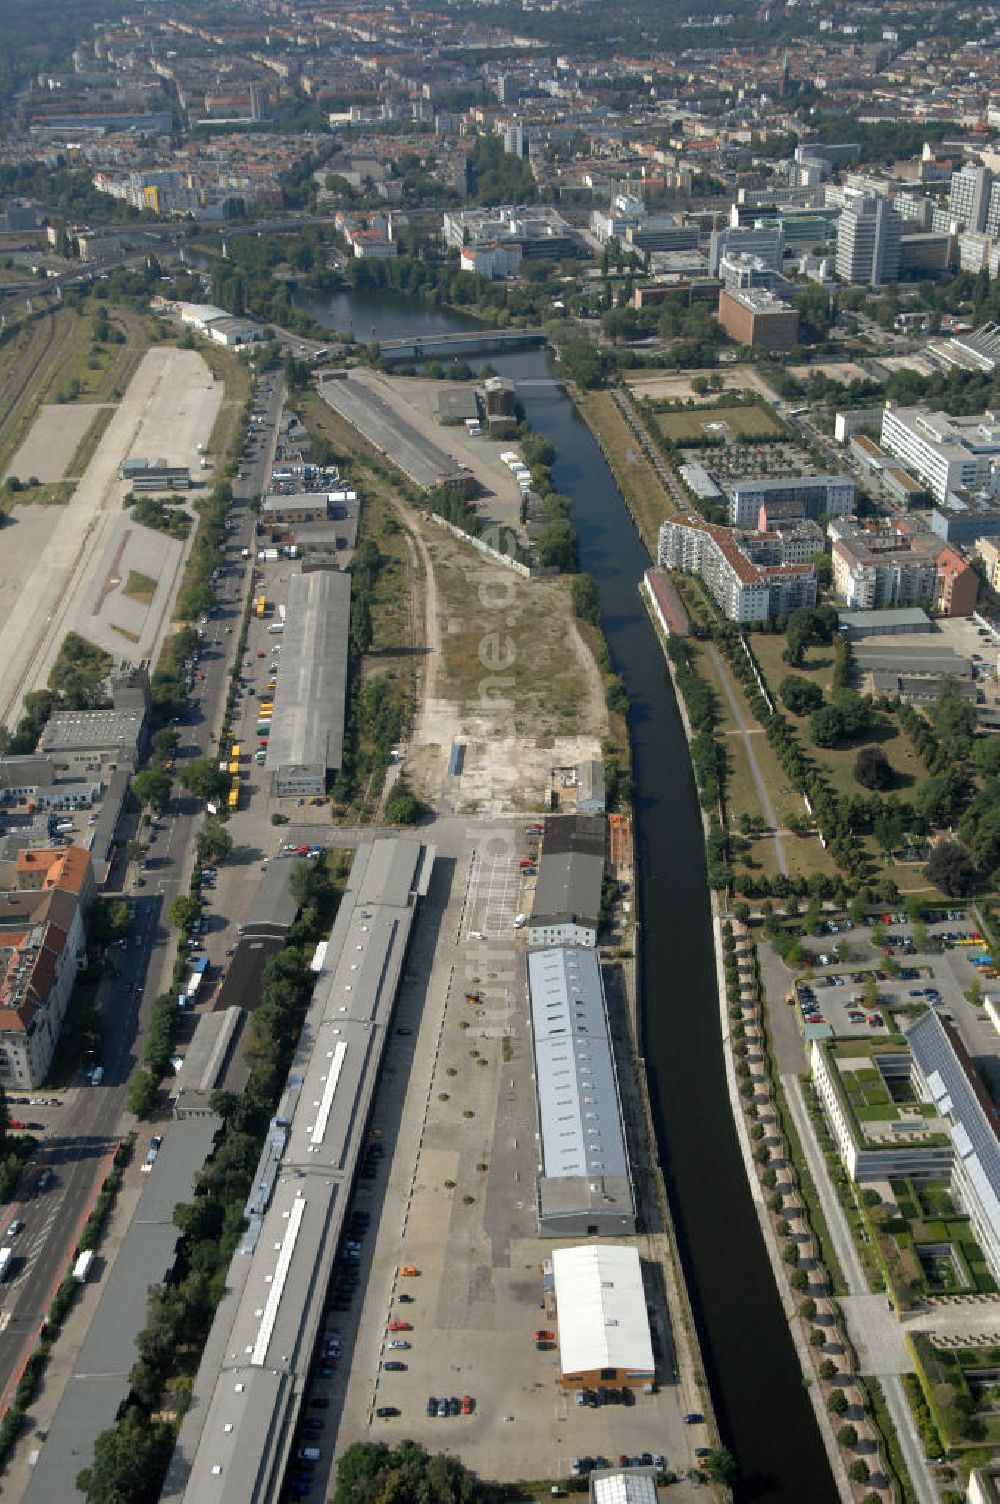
pixel 720 1465
pixel 586 599
pixel 203 778
pixel 847 1435
pixel 142 1094
pixel 214 842
pixel 800 695
pixel 152 787
pixel 402 806
pixel 872 769
pixel 370 1471
pixel 828 1369
pixel 837 1403
pixel 859 1471
pixel 557 545
pixel 183 911
pixel 951 869
pixel 130 1462
pixel 825 726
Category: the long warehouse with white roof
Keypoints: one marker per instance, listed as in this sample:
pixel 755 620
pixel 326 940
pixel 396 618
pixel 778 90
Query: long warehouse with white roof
pixel 584 1183
pixel 238 1432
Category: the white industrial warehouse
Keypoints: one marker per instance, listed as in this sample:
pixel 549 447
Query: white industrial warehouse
pixel 604 1333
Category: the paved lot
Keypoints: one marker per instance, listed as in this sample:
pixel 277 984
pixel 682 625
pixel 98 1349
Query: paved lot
pixel 501 501
pixel 169 408
pixel 123 626
pixel 53 440
pixel 363 399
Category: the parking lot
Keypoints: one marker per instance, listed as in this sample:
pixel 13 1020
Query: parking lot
pixel 874 978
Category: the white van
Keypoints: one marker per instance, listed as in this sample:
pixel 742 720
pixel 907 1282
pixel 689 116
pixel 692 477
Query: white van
pixel 97 1075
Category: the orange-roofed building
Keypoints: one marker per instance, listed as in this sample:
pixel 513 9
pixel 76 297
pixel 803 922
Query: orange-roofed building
pixel 42 945
pixel 957 585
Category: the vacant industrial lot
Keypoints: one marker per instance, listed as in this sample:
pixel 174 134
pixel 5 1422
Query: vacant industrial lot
pixel 55 435
pixel 508 675
pixel 168 410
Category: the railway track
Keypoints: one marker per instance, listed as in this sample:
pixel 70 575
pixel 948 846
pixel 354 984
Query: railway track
pixel 19 379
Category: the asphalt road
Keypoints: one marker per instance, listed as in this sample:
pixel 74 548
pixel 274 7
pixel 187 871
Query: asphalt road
pixel 83 1130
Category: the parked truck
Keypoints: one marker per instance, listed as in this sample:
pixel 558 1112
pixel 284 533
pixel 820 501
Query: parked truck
pixel 6 1259
pixel 83 1266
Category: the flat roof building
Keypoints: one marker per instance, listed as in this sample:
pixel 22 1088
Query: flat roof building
pixel 755 316
pixel 603 1324
pixel 239 1431
pixel 567 901
pixel 946 453
pixel 307 727
pixel 813 496
pixel 91 740
pixel 883 623
pixel 948 1080
pixel 584 1187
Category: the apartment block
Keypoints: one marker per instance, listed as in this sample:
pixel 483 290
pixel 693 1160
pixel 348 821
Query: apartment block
pixel 42 945
pixel 745 591
pixel 879 566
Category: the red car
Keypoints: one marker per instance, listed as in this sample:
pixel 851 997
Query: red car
pixel 302 851
pixel 468 1404
pixel 541 1336
pixel 401 1326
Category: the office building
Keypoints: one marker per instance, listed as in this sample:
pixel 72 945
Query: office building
pixel 744 591
pixel 974 199
pixel 964 516
pixel 948 1082
pixel 746 240
pixel 805 496
pixel 947 454
pixel 756 317
pixel 94 741
pixel 868 241
pixel 584 1184
pixel 307 726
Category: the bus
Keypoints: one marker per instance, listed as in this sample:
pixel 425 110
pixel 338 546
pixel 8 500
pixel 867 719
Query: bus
pixel 261 604
pixel 265 708
pixel 234 769
pixel 235 753
pixel 234 798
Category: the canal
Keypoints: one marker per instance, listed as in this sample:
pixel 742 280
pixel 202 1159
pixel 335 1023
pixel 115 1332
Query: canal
pixel 764 1412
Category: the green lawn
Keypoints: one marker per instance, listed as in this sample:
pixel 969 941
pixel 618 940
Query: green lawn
pixel 740 423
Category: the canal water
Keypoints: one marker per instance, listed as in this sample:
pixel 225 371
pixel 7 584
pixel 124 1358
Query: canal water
pixel 764 1413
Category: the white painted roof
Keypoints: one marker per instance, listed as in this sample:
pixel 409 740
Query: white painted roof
pixel 634 1486
pixel 601 1308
